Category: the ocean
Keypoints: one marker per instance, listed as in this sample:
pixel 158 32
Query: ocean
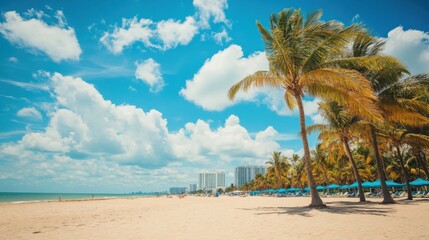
pixel 18 197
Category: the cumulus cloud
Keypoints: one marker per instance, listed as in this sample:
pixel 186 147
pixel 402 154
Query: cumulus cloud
pixel 211 9
pixel 29 112
pixel 58 40
pixel 411 47
pixel 209 86
pixel 149 72
pixel 85 125
pixel 198 142
pixel 163 35
pixel 131 31
pixel 173 33
pixel 170 33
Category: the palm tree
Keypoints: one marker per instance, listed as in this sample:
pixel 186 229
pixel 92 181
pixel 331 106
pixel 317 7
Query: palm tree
pixel 338 129
pixel 301 53
pixel 280 166
pixel 320 163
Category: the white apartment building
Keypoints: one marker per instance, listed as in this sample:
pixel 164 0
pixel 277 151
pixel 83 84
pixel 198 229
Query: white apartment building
pixel 245 174
pixel 211 181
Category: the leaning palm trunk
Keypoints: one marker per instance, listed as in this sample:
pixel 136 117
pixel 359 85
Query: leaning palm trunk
pixel 316 201
pixel 405 172
pixel 355 169
pixel 387 198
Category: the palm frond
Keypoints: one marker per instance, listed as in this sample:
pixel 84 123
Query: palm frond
pixel 258 79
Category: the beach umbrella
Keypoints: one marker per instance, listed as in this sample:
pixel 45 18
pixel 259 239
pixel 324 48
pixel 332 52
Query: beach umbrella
pixel 281 190
pixel 344 187
pixel 293 189
pixel 389 183
pixel 419 182
pixel 333 186
pixel 318 188
pixel 368 184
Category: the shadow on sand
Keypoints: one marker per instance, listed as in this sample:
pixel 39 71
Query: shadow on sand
pixel 340 207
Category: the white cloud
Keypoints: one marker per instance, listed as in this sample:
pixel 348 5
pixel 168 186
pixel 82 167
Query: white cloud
pixel 198 142
pixel 29 112
pixel 149 72
pixel 131 31
pixel 58 41
pixel 13 59
pixel 211 9
pixel 221 36
pixel 173 33
pixel 209 86
pixel 170 33
pixel 163 35
pixel 411 47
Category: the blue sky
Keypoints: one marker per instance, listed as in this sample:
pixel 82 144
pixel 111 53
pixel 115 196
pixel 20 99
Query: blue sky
pixel 119 97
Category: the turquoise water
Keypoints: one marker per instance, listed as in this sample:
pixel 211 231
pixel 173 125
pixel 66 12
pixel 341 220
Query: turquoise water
pixel 30 197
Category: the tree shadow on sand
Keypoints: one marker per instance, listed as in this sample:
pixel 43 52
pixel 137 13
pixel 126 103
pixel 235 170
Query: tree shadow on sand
pixel 365 208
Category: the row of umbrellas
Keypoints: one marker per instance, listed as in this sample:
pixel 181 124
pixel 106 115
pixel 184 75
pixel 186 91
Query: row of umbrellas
pixel 367 184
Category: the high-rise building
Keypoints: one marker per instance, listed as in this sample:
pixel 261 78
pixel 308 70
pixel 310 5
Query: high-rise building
pixel 192 188
pixel 245 174
pixel 177 190
pixel 211 181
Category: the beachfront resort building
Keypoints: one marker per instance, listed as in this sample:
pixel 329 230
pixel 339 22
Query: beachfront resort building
pixel 211 181
pixel 177 190
pixel 245 174
pixel 192 188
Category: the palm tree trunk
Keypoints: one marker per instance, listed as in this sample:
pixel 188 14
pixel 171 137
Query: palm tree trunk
pixel 316 201
pixel 405 172
pixel 355 169
pixel 387 198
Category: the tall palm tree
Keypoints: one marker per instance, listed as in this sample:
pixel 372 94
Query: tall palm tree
pixel 301 53
pixel 338 129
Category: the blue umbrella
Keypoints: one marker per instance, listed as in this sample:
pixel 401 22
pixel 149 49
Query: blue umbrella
pixel 389 183
pixel 319 188
pixel 419 182
pixel 345 187
pixel 281 190
pixel 333 186
pixel 368 184
pixel 293 189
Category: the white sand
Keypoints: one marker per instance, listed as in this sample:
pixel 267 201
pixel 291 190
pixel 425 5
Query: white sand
pixel 214 218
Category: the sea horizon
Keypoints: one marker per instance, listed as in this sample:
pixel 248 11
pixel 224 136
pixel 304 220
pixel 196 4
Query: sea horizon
pixel 23 197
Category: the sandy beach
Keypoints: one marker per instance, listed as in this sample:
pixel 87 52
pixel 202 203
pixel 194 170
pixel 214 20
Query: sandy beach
pixel 214 218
